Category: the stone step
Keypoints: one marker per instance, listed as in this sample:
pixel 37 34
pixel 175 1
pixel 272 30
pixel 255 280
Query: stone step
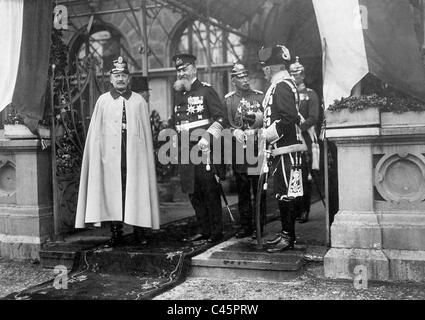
pixel 67 253
pixel 239 259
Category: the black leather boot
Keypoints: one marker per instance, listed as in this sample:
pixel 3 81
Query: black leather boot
pixel 286 242
pixel 304 217
pixel 275 239
pixel 243 233
pixel 116 236
pixel 139 236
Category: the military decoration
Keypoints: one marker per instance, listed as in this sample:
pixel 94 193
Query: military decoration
pixel 195 105
pixel 295 187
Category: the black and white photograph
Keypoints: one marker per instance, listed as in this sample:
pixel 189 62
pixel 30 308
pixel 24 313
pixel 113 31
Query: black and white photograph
pixel 210 157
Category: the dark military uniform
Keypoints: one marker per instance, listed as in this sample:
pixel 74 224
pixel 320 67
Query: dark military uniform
pixel 238 106
pixel 280 120
pixel 309 109
pixel 201 108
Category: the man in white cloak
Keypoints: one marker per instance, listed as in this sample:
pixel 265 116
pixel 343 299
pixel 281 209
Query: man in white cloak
pixel 118 181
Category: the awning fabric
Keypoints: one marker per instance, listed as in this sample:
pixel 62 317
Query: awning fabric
pixel 25 56
pixel 231 12
pixel 385 45
pixel 375 36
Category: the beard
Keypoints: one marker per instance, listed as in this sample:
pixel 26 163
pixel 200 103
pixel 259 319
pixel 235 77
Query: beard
pixel 182 85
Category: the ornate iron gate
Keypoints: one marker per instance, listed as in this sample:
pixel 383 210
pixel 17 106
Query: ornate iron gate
pixel 72 99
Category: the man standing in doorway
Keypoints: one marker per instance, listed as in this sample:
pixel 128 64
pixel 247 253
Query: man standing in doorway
pixel 198 106
pixel 118 181
pixel 245 115
pixel 281 131
pixel 140 85
pixel 309 110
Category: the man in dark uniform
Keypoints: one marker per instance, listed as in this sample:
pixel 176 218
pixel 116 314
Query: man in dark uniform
pixel 140 84
pixel 198 106
pixel 309 110
pixel 245 115
pixel 281 131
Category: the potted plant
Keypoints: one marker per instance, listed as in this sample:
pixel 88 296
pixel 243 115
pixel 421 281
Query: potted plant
pixel 380 105
pixel 354 112
pixel 15 128
pixel 166 173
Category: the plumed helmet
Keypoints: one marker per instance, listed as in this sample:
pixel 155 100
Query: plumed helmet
pixel 274 55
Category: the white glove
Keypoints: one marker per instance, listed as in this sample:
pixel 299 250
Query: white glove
pixel 203 145
pixel 239 135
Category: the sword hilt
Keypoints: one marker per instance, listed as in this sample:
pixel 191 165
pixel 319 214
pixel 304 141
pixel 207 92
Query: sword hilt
pixel 208 165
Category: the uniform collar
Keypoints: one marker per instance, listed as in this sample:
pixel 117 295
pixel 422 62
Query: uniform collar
pixel 281 75
pixel 302 88
pixel 241 93
pixel 115 94
pixel 195 84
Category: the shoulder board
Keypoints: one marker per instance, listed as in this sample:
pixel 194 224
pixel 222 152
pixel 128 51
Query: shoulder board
pixel 231 93
pixel 258 91
pixel 206 84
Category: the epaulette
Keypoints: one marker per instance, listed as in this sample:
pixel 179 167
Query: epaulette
pixel 231 93
pixel 258 91
pixel 206 84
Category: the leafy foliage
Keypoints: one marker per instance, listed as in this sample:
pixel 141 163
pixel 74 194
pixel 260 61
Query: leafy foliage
pixel 163 171
pixel 12 116
pixel 377 94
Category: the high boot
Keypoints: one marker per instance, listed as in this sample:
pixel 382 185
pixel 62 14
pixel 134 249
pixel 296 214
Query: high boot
pixel 139 236
pixel 292 215
pixel 304 217
pixel 116 235
pixel 284 217
pixel 286 242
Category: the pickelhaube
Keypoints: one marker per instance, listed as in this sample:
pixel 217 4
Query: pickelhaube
pixel 120 65
pixel 239 71
pixel 296 67
pixel 274 55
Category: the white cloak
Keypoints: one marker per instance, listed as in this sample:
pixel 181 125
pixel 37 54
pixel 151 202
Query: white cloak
pixel 100 191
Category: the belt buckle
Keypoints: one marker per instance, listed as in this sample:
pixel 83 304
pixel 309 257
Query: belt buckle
pixel 183 123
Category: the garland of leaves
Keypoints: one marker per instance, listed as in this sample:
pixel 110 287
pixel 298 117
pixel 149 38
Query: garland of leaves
pixel 377 94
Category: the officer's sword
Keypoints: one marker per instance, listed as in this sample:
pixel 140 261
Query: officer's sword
pixel 262 187
pixel 220 186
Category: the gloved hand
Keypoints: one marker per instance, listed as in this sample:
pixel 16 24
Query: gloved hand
pixel 249 118
pixel 203 145
pixel 239 135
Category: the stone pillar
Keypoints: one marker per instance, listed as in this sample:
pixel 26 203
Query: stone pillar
pixel 26 212
pixel 381 221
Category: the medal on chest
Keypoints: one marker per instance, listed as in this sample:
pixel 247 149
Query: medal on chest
pixel 195 105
